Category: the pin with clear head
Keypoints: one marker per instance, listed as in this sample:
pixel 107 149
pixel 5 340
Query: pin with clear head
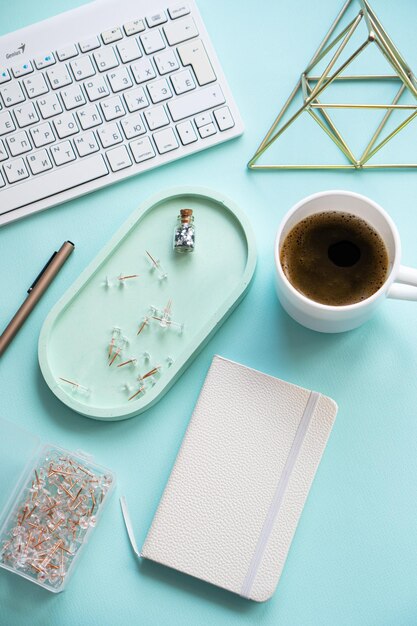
pixel 114 335
pixel 156 265
pixel 131 362
pixel 120 346
pixel 123 279
pixel 76 387
pixel 184 234
pixel 143 324
pixel 106 282
pixel 149 377
pixel 137 393
pixel 164 317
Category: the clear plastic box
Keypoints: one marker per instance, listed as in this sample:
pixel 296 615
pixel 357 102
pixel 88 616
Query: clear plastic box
pixel 50 501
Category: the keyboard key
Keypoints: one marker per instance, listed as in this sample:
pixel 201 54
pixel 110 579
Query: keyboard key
pixel 22 69
pixel 6 123
pixel 44 60
pixel 129 50
pixel 180 30
pixel 142 149
pixel 105 59
pixel 143 70
pixel 67 53
pixel 82 68
pixel 26 114
pixel 39 162
pixel 196 102
pixel 119 79
pixel 166 62
pixel 186 133
pixel 182 82
pixel 86 144
pixel 159 91
pixel 165 140
pixel 77 173
pixel 96 88
pixel 65 125
pixel 194 53
pixel 119 158
pixel 35 85
pixel 179 10
pixel 156 19
pixel 42 135
pixel 89 117
pixel 72 97
pixel 156 117
pixel 3 154
pixel 18 143
pixel 12 94
pixel 112 108
pixel 49 105
pixel 15 171
pixel 133 27
pixel 92 43
pixel 203 119
pixel 62 153
pixel 59 76
pixel 4 76
pixel 133 126
pixel 207 130
pixel 112 35
pixel 152 41
pixel 2 183
pixel 109 135
pixel 224 118
pixel 136 99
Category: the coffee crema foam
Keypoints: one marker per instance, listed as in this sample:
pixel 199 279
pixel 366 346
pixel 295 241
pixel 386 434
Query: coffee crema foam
pixel 334 258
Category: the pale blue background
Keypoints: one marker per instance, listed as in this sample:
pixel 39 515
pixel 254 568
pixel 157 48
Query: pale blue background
pixel 354 557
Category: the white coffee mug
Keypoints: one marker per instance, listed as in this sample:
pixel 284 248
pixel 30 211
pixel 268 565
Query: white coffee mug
pixel 401 281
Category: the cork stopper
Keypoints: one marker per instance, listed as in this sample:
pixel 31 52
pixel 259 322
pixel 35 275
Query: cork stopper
pixel 186 215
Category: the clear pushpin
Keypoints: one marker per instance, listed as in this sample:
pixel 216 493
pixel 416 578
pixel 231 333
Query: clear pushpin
pixel 152 372
pixel 132 362
pixel 122 279
pixel 156 265
pixel 149 377
pixel 76 387
pixel 139 391
pixel 164 317
pixel 146 356
pixel 114 335
pixel 107 283
pixel 121 345
pixel 170 361
pixel 143 324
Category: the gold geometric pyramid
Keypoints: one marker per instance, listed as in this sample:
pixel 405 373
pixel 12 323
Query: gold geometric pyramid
pixel 311 86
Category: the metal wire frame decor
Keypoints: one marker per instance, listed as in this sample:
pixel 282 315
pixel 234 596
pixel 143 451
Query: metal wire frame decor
pixel 311 86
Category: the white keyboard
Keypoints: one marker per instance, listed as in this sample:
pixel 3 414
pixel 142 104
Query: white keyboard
pixel 103 92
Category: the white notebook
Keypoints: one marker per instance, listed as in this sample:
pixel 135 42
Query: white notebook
pixel 232 503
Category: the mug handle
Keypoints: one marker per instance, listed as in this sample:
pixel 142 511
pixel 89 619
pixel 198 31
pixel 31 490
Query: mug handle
pixel 405 285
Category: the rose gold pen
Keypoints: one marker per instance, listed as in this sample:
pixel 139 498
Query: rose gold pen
pixel 35 292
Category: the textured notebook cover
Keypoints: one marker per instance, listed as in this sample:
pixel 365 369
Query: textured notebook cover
pixel 232 503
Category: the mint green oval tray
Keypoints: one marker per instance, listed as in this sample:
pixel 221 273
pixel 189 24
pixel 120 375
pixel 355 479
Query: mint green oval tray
pixel 204 286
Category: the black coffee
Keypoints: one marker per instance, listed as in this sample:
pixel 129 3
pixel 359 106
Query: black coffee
pixel 334 258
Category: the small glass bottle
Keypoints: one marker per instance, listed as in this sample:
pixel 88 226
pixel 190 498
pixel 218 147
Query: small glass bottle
pixel 184 235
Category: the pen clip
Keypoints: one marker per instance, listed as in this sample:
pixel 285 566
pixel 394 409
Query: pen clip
pixel 41 272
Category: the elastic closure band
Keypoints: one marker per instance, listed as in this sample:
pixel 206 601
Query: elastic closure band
pixel 280 490
pixel 129 526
